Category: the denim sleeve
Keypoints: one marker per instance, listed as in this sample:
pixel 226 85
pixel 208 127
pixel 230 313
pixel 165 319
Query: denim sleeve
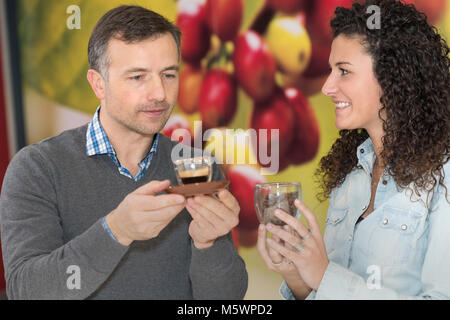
pixel 337 283
pixel 287 294
pixel 436 266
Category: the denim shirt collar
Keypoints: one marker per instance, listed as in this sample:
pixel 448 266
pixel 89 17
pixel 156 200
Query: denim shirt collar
pixel 366 155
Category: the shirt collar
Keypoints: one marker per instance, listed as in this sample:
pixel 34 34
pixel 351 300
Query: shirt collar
pixel 97 141
pixel 366 154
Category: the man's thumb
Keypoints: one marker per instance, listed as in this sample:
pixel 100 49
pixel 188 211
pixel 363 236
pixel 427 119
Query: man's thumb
pixel 152 187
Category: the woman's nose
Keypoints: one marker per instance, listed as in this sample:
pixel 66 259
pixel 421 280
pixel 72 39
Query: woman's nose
pixel 329 87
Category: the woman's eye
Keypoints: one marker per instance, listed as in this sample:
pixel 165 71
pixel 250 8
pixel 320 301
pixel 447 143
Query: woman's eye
pixel 343 72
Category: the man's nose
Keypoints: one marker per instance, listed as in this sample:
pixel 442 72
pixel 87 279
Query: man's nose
pixel 156 89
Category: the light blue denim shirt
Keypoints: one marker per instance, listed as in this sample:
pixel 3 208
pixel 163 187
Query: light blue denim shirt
pixel 400 251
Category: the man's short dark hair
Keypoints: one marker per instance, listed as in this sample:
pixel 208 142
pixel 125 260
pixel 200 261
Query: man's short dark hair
pixel 129 24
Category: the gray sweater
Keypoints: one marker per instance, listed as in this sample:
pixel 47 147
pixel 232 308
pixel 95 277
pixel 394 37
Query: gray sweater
pixel 55 247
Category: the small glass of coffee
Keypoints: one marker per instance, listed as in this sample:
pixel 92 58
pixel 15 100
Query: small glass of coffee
pixel 193 170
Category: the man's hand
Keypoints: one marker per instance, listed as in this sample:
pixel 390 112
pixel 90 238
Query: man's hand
pixel 212 217
pixel 142 214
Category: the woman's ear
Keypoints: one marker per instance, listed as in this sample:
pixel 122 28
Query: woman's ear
pixel 97 83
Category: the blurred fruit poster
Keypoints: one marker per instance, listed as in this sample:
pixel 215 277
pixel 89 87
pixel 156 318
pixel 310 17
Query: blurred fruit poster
pixel 4 147
pixel 253 64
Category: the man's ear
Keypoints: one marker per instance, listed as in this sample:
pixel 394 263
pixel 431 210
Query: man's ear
pixel 97 83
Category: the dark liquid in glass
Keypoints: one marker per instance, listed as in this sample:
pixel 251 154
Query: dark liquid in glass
pixel 284 201
pixel 197 179
pixel 194 176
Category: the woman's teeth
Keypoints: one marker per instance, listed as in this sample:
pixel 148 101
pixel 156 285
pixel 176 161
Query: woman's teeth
pixel 343 104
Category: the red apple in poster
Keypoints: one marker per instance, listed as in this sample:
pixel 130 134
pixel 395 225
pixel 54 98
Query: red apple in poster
pixel 218 98
pixel 285 162
pixel 275 113
pixel 309 86
pixel 319 17
pixel 178 129
pixel 235 235
pixel 242 185
pixel 195 38
pixel 224 17
pixel 434 9
pixel 191 78
pixel 248 237
pixel 288 6
pixel 254 65
pixel 318 64
pixel 306 129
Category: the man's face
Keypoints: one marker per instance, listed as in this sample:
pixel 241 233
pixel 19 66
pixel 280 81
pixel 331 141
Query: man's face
pixel 142 85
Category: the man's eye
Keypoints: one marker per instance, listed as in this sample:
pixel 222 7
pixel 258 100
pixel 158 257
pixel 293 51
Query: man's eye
pixel 139 77
pixel 169 76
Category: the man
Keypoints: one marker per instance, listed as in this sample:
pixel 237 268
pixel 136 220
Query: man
pixel 84 215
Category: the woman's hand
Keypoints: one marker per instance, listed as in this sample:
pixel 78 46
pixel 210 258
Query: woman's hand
pixel 306 250
pixel 274 260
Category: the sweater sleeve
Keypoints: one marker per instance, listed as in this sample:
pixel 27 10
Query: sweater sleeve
pixel 38 263
pixel 218 272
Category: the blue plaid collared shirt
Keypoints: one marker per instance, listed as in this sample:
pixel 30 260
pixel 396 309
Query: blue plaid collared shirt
pixel 97 142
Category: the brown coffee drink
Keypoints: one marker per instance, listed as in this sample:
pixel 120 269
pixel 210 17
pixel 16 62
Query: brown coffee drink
pixel 284 201
pixel 194 176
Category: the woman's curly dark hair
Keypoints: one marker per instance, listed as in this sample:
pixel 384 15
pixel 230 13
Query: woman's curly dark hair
pixel 411 63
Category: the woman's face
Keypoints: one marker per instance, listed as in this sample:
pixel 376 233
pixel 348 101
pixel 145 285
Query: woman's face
pixel 353 87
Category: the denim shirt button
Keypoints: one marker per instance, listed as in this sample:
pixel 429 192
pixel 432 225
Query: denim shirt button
pixel 404 227
pixel 385 221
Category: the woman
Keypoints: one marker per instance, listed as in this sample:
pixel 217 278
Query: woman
pixel 387 233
